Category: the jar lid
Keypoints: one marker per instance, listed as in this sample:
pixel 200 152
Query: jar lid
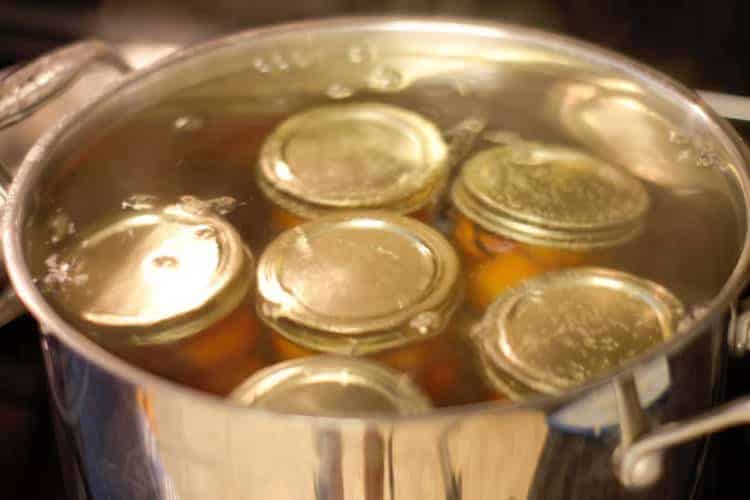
pixel 550 195
pixel 330 385
pixel 156 276
pixel 562 329
pixel 363 155
pixel 358 283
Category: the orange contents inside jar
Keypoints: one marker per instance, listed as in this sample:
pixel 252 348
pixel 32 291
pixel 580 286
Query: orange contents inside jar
pixel 215 359
pixel 494 263
pixel 233 337
pixel 430 363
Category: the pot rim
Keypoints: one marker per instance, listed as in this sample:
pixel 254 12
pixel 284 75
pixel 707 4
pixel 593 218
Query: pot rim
pixel 35 163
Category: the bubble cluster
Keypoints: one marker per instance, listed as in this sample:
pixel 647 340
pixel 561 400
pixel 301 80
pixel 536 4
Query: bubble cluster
pixel 261 65
pixel 279 62
pixel 62 273
pixel 339 91
pixel 60 226
pixel 385 79
pixel 221 205
pixel 188 123
pixel 140 202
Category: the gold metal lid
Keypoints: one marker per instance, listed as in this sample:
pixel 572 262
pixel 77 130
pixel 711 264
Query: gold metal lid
pixel 361 155
pixel 562 329
pixel 332 385
pixel 359 282
pixel 550 195
pixel 503 381
pixel 156 276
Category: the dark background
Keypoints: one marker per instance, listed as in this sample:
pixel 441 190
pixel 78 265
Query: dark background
pixel 700 43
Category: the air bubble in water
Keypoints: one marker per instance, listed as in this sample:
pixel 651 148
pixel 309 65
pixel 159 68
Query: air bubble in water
pixel 279 61
pixel 261 65
pixel 385 78
pixel 188 124
pixel 193 204
pixel 60 226
pixel 425 322
pixel 166 262
pixel 339 91
pixel 359 54
pixel 221 205
pixel 707 158
pixel 139 202
pixel 62 273
pixel 678 138
pixel 684 155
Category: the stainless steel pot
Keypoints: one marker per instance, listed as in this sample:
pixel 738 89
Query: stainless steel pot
pixel 127 434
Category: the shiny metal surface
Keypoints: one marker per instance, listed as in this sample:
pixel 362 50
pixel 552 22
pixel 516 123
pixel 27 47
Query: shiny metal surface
pixel 157 442
pixel 372 155
pixel 23 91
pixel 358 283
pixel 729 106
pixel 738 336
pixel 550 195
pixel 635 466
pixel 138 436
pixel 561 329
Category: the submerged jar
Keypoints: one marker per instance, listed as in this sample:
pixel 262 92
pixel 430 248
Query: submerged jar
pixel 351 156
pixel 366 283
pixel 528 208
pixel 168 289
pixel 332 385
pixel 565 328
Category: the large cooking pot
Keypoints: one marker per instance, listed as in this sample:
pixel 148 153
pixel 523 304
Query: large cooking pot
pixel 125 433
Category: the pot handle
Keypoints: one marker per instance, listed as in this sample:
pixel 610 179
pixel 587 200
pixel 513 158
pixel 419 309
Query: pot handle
pixel 25 89
pixel 639 465
pixel 639 460
pixel 731 107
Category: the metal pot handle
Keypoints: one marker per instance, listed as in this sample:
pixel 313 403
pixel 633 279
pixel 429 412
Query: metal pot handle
pixel 639 464
pixel 25 89
pixel 731 107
